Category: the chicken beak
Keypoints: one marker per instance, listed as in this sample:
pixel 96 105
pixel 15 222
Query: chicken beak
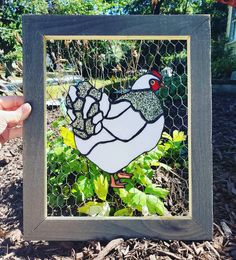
pixel 162 84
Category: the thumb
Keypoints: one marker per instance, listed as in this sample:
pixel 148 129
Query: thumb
pixel 14 117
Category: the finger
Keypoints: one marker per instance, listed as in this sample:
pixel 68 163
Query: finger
pixel 3 126
pixel 11 102
pixel 14 132
pixel 11 133
pixel 10 125
pixel 14 117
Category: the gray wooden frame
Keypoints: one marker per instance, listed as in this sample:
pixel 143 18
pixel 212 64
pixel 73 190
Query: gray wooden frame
pixel 196 29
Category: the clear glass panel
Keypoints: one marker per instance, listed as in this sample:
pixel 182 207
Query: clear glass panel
pixel 159 179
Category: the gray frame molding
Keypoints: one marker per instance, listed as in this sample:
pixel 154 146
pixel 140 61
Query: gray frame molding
pixel 196 226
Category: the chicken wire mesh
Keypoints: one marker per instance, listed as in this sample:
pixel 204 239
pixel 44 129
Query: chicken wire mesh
pixel 159 183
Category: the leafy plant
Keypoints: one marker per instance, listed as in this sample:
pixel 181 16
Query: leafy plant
pixel 93 208
pixel 101 187
pixel 142 202
pixel 174 149
pixel 11 27
pixel 74 180
pixel 223 59
pixel 175 88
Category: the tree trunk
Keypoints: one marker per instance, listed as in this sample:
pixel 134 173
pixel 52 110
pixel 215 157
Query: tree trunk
pixel 157 9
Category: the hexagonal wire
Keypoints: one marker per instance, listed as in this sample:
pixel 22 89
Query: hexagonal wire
pixel 113 66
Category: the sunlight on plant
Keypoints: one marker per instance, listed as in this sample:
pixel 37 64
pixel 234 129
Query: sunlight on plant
pixel 101 187
pixel 68 137
pixel 73 176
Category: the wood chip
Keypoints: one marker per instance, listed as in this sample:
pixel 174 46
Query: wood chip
pixel 152 257
pixel 9 256
pixel 79 256
pixel 212 249
pixel 187 247
pixel 169 254
pixel 2 233
pixel 197 251
pixel 126 251
pixel 226 229
pixel 108 248
pixel 219 229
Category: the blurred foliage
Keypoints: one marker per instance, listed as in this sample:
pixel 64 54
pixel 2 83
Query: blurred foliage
pixel 223 62
pixel 119 63
pixel 218 11
pixel 11 20
pixel 88 7
pixel 84 54
pixel 223 59
pixel 162 7
pixel 175 88
pixel 11 17
pixel 11 27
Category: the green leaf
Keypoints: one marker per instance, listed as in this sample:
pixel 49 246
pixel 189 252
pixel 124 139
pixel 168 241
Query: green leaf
pixel 160 192
pixel 75 190
pixel 155 205
pixel 58 150
pixel 135 199
pixel 179 136
pixel 144 180
pixel 93 208
pixel 155 163
pixel 138 198
pixel 84 185
pixel 124 212
pixel 167 136
pixel 84 165
pixel 145 203
pixel 101 187
pixel 68 137
pixel 123 193
pixel 94 170
pixel 75 166
pixel 66 191
pixel 55 124
pixel 52 200
pixel 56 201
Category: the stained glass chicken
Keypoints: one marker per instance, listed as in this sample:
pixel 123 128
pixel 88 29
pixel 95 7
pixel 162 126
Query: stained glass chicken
pixel 112 133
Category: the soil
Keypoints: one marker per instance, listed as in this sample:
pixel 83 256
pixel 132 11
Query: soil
pixel 223 245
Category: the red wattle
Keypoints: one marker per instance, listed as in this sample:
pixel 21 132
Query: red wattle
pixel 155 87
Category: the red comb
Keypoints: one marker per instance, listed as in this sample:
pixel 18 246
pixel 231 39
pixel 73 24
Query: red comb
pixel 156 73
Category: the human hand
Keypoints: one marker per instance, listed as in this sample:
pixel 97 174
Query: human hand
pixel 12 114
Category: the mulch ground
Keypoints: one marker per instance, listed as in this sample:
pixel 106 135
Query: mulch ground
pixel 223 245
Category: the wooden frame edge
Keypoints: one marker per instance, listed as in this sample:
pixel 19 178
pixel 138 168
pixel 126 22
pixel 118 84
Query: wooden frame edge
pixel 31 233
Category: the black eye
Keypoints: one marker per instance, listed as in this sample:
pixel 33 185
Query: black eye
pixel 152 82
